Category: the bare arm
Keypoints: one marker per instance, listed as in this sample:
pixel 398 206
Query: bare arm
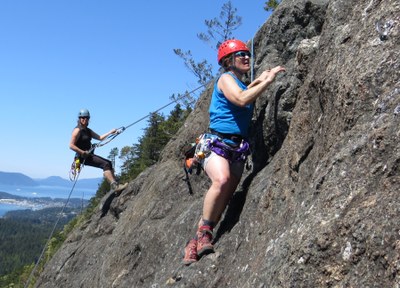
pixel 237 96
pixel 72 145
pixel 104 136
pixel 96 136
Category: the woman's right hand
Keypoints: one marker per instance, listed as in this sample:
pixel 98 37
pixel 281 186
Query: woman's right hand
pixel 84 154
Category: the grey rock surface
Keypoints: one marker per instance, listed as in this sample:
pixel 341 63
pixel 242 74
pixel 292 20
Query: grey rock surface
pixel 320 206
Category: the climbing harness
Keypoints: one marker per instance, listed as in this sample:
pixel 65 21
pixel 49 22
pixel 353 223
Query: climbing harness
pixel 76 169
pixel 79 161
pixel 232 147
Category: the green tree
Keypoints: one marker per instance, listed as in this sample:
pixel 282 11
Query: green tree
pixel 218 30
pixel 156 135
pixel 127 155
pixel 130 156
pixel 271 5
pixel 135 158
pixel 187 99
pixel 175 120
pixel 152 141
pixel 113 153
pixel 201 70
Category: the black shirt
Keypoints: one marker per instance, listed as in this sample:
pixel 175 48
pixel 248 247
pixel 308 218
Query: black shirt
pixel 84 138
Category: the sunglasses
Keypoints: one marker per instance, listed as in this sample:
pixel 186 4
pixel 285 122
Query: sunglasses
pixel 84 117
pixel 243 54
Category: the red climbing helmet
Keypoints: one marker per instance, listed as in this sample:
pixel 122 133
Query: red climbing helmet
pixel 230 46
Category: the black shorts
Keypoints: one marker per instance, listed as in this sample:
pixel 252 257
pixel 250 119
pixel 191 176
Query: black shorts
pixel 98 162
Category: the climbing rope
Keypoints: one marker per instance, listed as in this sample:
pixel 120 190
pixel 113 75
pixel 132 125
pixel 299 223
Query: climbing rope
pixel 76 172
pixel 76 167
pixel 252 60
pixel 51 234
pixel 165 106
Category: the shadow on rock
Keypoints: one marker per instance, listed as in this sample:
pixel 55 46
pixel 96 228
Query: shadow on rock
pixel 235 208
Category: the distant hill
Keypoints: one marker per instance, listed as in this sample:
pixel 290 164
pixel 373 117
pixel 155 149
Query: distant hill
pixel 54 181
pixel 58 181
pixel 319 205
pixel 14 179
pixel 90 183
pixel 19 179
pixel 4 195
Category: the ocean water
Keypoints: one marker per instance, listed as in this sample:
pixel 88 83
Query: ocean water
pixel 43 191
pixel 49 191
pixel 4 208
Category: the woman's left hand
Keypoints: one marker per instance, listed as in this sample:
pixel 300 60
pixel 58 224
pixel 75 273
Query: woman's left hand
pixel 269 75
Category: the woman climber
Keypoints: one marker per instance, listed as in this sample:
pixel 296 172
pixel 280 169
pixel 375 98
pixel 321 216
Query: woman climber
pixel 80 142
pixel 231 110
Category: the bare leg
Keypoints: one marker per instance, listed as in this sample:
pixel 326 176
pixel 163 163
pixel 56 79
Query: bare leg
pixel 109 175
pixel 221 190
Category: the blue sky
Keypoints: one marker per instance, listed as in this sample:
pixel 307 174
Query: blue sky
pixel 114 58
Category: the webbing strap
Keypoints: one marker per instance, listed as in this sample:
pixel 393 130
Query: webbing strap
pixel 233 154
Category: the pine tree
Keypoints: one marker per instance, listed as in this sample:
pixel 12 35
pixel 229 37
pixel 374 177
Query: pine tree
pixel 221 29
pixel 113 153
pixel 218 30
pixel 271 5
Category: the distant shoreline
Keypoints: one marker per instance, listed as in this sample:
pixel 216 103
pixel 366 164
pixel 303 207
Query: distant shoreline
pixel 5 208
pixel 10 202
pixel 23 203
pixel 53 192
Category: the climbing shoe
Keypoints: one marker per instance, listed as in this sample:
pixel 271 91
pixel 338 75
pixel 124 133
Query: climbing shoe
pixel 190 252
pixel 204 241
pixel 117 188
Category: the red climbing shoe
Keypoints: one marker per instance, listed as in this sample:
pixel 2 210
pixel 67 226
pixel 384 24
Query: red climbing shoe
pixel 190 252
pixel 204 242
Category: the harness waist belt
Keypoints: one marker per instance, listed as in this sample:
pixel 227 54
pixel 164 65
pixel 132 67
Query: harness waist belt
pixel 234 137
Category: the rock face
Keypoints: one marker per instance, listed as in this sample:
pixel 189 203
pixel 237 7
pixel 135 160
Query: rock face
pixel 319 208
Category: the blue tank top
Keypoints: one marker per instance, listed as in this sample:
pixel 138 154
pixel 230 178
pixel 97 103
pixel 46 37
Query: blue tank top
pixel 226 117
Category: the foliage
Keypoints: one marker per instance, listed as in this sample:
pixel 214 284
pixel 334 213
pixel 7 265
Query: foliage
pixel 201 70
pixel 147 151
pixel 271 5
pixel 113 153
pixel 218 30
pixel 135 159
pixel 22 239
